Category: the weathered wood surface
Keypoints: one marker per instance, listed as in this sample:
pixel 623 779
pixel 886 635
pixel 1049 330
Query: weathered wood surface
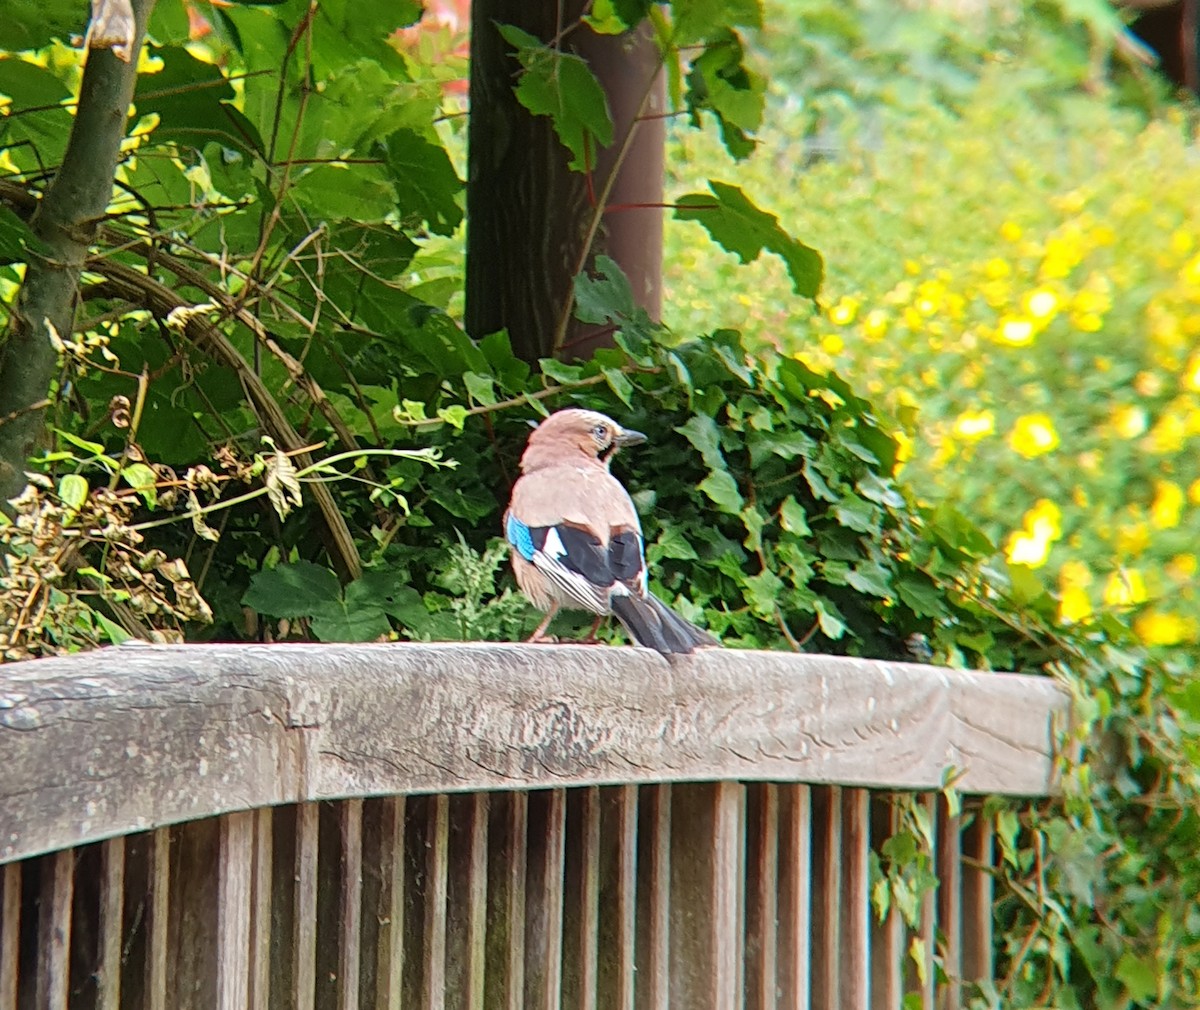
pixel 141 736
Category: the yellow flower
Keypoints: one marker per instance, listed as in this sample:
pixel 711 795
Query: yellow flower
pixel 1130 420
pixel 904 450
pixel 1010 231
pixel 844 311
pixel 1182 567
pixel 1031 545
pixel 831 343
pixel 1074 573
pixel 1125 588
pixel 1181 242
pixel 1194 492
pixel 1191 378
pixel 1168 434
pixel 1190 274
pixel 1033 435
pixel 972 425
pixel 875 324
pixel 1041 303
pixel 1133 539
pixel 1164 628
pixel 1074 605
pixel 997 268
pixel 1167 504
pixel 1015 331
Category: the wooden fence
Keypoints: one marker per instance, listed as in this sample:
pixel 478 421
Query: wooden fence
pixel 484 826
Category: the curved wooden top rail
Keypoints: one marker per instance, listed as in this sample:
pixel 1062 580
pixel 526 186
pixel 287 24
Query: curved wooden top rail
pixel 139 736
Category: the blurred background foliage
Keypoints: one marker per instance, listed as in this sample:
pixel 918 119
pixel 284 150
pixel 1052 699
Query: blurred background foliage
pixel 1012 243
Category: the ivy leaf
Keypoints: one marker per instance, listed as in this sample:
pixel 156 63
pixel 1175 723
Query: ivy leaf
pixel 426 184
pixel 722 490
pixel 563 87
pixel 355 617
pixel 736 224
pixel 1139 975
pixel 299 589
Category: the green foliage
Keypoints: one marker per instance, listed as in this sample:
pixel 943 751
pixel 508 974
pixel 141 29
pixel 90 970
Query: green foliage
pixel 742 228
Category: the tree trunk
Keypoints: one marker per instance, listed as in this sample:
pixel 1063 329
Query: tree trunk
pixel 529 216
pixel 66 223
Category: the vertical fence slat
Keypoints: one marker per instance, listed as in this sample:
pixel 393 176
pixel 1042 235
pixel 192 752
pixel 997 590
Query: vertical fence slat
pixel 887 937
pixel 706 857
pixel 928 988
pixel 795 896
pixel 762 887
pixel 260 910
pixel 856 900
pixel 950 902
pixel 54 931
pixel 304 946
pixel 10 935
pixel 112 912
pixel 977 900
pixel 157 949
pixel 654 898
pixel 437 839
pixel 383 902
pixel 827 892
pixel 350 818
pixel 233 910
pixel 544 917
pixel 466 911
pixel 616 981
pixel 588 924
pixel 507 870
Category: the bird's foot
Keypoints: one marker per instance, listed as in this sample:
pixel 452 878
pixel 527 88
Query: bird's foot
pixel 538 638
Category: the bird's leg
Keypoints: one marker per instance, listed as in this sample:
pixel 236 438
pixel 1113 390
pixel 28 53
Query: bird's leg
pixel 540 634
pixel 590 638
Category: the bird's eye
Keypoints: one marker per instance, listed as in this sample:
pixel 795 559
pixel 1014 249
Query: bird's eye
pixel 600 434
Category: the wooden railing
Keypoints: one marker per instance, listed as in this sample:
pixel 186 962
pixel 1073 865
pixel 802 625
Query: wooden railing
pixel 426 826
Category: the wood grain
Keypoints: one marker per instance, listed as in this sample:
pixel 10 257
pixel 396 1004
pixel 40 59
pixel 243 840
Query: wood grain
pixel 138 736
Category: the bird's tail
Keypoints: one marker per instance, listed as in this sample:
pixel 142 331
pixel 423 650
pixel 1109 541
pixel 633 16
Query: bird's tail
pixel 651 623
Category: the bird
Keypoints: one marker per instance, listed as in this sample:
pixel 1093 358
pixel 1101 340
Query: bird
pixel 575 538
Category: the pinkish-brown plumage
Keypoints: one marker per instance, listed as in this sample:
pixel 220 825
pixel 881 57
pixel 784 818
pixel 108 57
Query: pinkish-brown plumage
pixel 575 535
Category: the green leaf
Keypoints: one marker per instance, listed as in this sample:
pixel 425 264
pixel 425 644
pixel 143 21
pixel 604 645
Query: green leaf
pixel 300 589
pixel 73 491
pixel 619 385
pixel 870 577
pixel 16 239
pixel 793 517
pixel 349 623
pixel 562 86
pixel 856 514
pixel 830 621
pixel 192 99
pixel 697 19
pixel 142 479
pixel 1139 975
pixel 745 230
pixel 427 187
pixel 722 490
pixel 31 24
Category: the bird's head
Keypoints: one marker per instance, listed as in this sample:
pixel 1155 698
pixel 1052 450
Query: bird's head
pixel 567 435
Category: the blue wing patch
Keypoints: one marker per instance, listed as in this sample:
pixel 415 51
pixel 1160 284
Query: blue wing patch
pixel 519 536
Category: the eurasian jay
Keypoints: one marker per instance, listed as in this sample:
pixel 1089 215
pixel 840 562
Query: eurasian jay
pixel 575 538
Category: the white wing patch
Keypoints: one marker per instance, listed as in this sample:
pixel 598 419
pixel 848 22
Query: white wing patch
pixel 570 588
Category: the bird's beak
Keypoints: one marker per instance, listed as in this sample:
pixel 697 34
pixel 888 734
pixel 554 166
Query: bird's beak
pixel 627 437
